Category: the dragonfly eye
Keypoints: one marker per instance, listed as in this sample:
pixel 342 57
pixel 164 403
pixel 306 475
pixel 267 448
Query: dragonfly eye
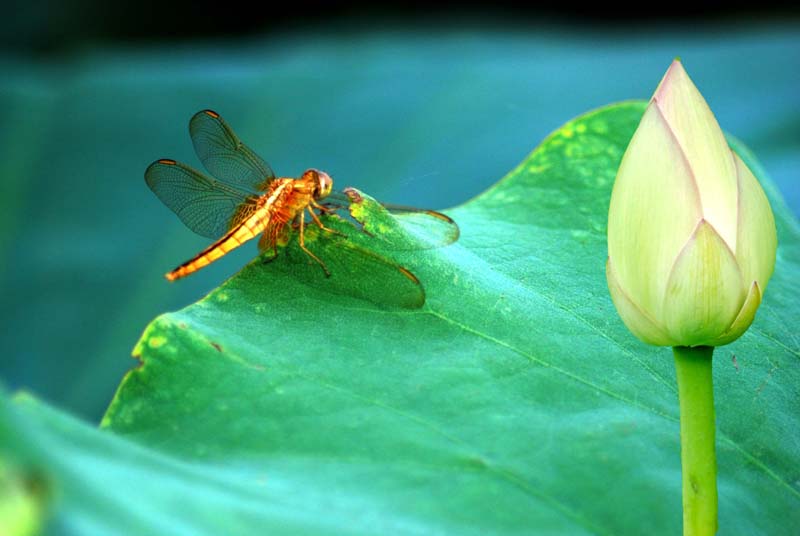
pixel 324 185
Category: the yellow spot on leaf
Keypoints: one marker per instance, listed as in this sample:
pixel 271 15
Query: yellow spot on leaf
pixel 599 127
pixel 357 210
pixel 22 505
pixel 155 342
pixel 538 168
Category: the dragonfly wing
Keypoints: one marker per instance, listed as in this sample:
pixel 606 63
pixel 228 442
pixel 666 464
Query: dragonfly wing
pixel 225 156
pixel 432 228
pixel 207 206
pixel 396 227
pixel 375 277
pixel 275 235
pixel 355 271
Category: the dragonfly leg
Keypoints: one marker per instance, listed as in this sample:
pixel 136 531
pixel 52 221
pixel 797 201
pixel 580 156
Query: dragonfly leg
pixel 320 224
pixel 304 248
pixel 327 208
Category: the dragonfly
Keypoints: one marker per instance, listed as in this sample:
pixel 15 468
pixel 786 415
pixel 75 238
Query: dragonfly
pixel 244 199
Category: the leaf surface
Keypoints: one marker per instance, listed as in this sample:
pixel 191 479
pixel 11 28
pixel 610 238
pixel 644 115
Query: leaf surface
pixel 514 401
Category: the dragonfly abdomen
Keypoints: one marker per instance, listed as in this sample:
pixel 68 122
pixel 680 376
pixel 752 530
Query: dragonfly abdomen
pixel 246 230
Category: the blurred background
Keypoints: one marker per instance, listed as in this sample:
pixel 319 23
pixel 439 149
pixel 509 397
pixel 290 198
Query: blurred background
pixel 426 106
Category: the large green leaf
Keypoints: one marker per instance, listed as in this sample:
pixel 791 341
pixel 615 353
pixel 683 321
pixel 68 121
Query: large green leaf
pixel 514 401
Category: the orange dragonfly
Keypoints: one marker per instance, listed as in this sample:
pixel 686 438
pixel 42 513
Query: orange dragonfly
pixel 246 199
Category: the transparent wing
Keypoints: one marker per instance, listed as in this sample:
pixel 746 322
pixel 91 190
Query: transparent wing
pixel 432 228
pixel 225 156
pixel 396 227
pixel 354 270
pixel 207 206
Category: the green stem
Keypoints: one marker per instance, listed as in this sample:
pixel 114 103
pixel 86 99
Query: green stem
pixel 698 459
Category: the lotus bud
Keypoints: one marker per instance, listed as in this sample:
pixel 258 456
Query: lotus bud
pixel 691 236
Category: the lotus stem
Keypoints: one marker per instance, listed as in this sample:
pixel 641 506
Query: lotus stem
pixel 698 457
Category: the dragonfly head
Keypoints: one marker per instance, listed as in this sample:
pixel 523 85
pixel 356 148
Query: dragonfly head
pixel 323 183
